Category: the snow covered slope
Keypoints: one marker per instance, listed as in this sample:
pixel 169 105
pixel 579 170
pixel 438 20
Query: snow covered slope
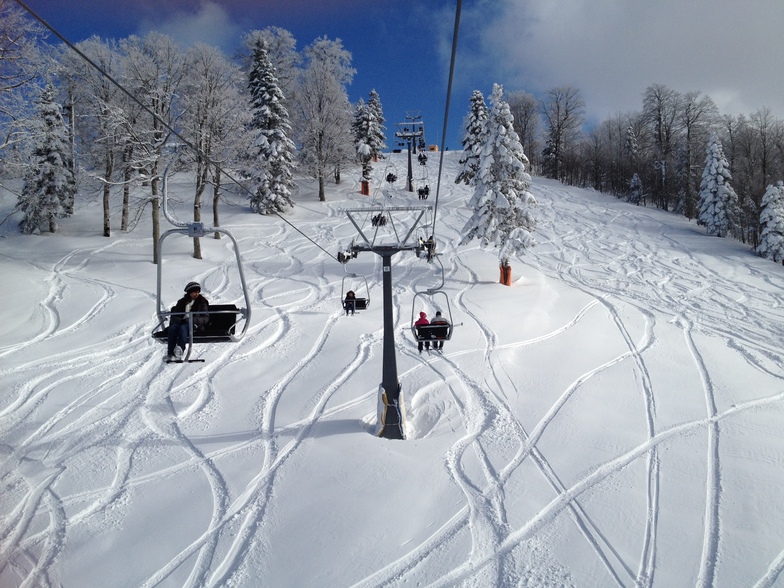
pixel 612 419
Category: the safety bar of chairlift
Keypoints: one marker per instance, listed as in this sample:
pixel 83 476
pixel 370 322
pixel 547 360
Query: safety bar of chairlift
pixel 431 327
pixel 163 315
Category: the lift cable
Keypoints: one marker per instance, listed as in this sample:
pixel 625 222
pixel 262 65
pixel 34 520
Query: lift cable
pixel 158 118
pixel 446 111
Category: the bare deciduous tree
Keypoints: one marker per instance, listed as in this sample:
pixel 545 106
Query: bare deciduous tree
pixel 699 118
pixel 525 110
pixel 212 121
pixel 323 112
pixel 22 69
pixel 154 69
pixel 562 110
pixel 660 113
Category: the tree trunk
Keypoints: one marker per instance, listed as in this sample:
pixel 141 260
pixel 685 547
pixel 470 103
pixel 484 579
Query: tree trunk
pixel 322 196
pixel 127 173
pixel 196 240
pixel 216 186
pixel 506 273
pixel 71 136
pixel 107 188
pixel 202 169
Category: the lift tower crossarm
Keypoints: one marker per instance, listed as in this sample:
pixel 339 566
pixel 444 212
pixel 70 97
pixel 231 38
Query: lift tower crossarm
pixel 401 244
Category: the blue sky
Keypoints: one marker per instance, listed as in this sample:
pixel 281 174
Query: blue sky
pixel 611 50
pixel 399 48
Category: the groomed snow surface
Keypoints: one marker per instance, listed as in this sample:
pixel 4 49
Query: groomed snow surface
pixel 612 419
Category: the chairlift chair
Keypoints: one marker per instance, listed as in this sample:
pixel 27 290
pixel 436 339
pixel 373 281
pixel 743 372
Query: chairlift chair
pixel 426 247
pixel 227 322
pixel 224 319
pixel 430 332
pixel 423 187
pixel 379 220
pixel 359 303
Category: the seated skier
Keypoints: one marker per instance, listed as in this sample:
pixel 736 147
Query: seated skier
pixel 177 335
pixel 422 321
pixel 439 320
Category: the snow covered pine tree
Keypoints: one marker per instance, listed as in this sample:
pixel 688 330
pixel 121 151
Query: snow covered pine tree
pixel 501 202
pixel 49 186
pixel 718 209
pixel 472 139
pixel 772 222
pixel 635 190
pixel 361 129
pixel 369 136
pixel 377 137
pixel 272 174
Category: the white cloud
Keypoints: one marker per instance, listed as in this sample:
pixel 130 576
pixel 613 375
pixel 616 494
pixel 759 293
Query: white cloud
pixel 209 23
pixel 613 49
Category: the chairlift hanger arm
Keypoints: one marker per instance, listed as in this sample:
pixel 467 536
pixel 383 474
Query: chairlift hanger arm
pixel 165 197
pixel 414 225
pixel 194 229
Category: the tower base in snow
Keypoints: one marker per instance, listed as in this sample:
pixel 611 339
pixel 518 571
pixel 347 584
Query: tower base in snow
pixel 391 414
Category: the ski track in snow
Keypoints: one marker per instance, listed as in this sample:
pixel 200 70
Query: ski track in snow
pixel 669 295
pixel 128 402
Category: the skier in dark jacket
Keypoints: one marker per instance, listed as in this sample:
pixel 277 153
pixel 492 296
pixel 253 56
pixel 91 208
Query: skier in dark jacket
pixel 194 303
pixel 350 303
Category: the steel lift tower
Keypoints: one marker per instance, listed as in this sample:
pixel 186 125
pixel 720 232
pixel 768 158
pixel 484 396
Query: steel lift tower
pixel 413 133
pixel 391 411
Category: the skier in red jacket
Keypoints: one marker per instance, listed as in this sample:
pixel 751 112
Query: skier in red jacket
pixel 422 321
